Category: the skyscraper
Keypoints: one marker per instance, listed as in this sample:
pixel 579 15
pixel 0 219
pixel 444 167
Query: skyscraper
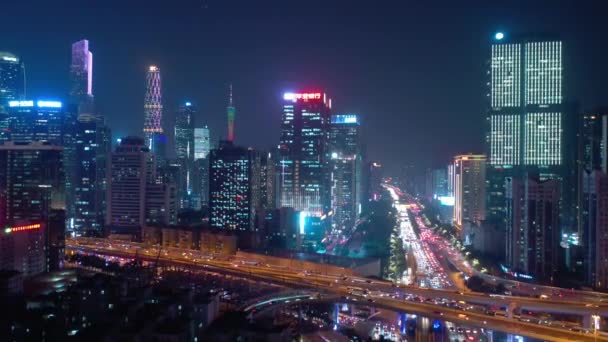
pixel 81 77
pixel 52 122
pixel 86 206
pixel 31 184
pixel 202 144
pixel 132 167
pixel 233 187
pixel 231 112
pixel 533 228
pixel 346 168
pixel 526 117
pixel 12 78
pixel 184 151
pixel 469 189
pixel 153 112
pixel 303 153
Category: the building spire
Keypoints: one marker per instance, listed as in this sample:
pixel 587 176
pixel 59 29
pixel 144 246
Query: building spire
pixel 231 111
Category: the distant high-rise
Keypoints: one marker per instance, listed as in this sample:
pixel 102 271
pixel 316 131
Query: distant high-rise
pixel 231 112
pixel 104 148
pixel 31 184
pixel 303 153
pixel 153 111
pixel 469 189
pixel 374 180
pixel 132 167
pixel 184 151
pixel 533 228
pixel 12 78
pixel 526 118
pixel 233 187
pixel 85 186
pixel 202 144
pixel 81 77
pixel 346 168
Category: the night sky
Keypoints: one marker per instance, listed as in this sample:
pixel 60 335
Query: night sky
pixel 414 70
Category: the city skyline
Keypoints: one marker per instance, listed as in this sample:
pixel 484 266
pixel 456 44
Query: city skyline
pixel 356 73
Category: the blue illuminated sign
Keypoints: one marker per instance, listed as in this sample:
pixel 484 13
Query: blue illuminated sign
pixel 345 119
pixel 49 104
pixel 28 103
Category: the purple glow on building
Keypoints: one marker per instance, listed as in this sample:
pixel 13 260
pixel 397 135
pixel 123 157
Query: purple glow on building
pixel 81 70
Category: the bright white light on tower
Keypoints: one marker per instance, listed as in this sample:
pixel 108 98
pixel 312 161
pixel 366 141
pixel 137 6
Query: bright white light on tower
pixel 188 104
pixel 499 35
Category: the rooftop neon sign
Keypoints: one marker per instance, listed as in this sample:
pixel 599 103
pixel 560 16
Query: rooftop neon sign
pixel 49 104
pixel 35 226
pixel 21 103
pixel 39 104
pixel 301 96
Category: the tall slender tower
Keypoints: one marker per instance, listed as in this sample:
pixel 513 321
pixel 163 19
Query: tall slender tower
pixel 81 77
pixel 231 111
pixel 153 109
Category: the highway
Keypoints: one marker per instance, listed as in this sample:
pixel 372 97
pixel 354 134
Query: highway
pixel 426 301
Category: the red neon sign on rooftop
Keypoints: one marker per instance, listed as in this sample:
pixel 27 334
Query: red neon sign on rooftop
pixel 301 96
pixel 9 230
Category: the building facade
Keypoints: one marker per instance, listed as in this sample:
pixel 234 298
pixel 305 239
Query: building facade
pixel 12 79
pixel 469 189
pixel 346 168
pixel 533 227
pixel 132 167
pixel 31 185
pixel 303 153
pixel 184 151
pixel 234 187
pixel 526 117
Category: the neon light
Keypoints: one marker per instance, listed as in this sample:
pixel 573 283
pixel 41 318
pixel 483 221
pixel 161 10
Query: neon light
pixel 9 230
pixel 21 103
pixel 499 35
pixel 345 119
pixel 49 104
pixel 302 222
pixel 447 200
pixel 10 59
pixel 301 96
pixel 188 104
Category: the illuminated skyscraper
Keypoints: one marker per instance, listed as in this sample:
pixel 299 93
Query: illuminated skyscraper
pixel 526 118
pixel 184 151
pixel 469 189
pixel 231 112
pixel 202 144
pixel 81 77
pixel 303 153
pixel 346 168
pixel 12 78
pixel 234 192
pixel 86 208
pixel 153 111
pixel 31 185
pixel 52 122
